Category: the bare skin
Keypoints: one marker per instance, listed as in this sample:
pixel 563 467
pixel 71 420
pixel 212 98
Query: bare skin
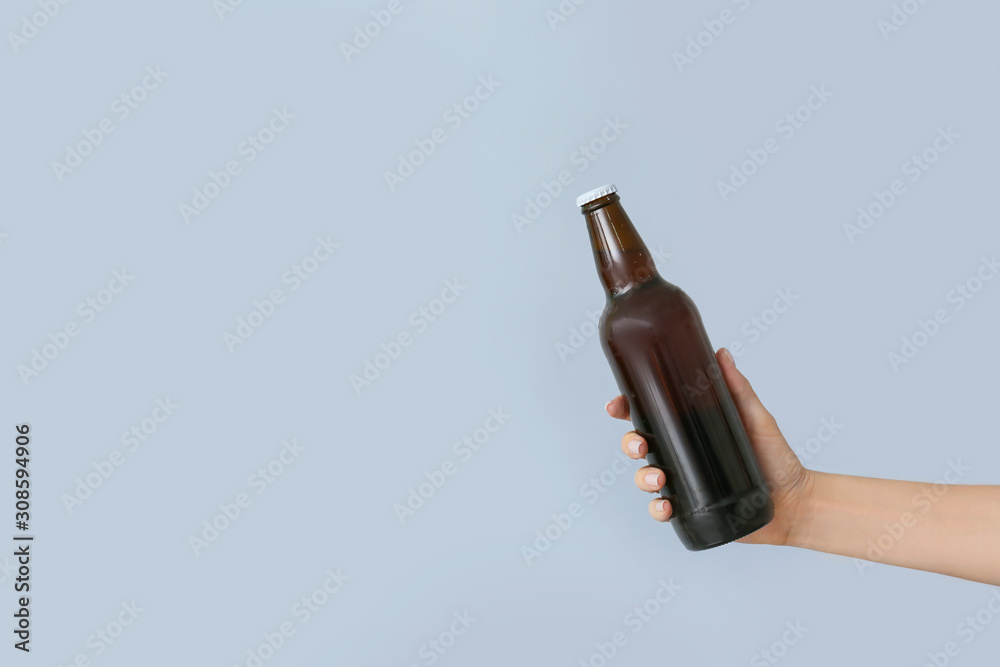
pixel 950 529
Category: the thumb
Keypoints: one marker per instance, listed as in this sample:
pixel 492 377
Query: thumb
pixel 758 421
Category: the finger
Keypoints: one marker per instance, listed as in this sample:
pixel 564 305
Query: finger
pixel 634 446
pixel 756 418
pixel 617 407
pixel 660 509
pixel 649 479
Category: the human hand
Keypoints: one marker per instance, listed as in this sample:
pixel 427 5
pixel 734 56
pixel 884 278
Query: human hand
pixel 788 482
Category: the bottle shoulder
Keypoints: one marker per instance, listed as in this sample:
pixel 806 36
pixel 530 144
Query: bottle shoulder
pixel 654 305
pixel 659 294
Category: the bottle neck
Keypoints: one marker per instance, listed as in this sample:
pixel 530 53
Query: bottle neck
pixel 623 261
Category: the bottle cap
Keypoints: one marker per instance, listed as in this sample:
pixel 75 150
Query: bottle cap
pixel 602 191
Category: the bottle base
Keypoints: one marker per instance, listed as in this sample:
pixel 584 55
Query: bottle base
pixel 724 522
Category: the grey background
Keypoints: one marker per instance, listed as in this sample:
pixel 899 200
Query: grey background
pixel 496 345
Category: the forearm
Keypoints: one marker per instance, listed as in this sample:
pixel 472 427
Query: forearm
pixel 949 529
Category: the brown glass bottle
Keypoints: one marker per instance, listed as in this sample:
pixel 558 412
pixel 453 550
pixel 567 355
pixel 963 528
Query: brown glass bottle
pixel 665 366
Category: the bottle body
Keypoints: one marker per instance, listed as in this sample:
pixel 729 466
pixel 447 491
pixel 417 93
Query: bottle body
pixel 664 365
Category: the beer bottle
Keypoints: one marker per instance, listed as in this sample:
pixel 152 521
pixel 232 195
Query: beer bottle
pixel 665 366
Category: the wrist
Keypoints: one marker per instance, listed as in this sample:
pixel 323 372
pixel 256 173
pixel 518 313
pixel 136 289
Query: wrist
pixel 804 507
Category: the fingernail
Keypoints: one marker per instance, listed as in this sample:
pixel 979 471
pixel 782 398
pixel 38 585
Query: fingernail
pixel 633 445
pixel 661 505
pixel 729 356
pixel 652 479
pixel 607 406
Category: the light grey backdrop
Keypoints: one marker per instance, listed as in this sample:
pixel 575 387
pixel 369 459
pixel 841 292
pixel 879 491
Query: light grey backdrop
pixel 666 101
